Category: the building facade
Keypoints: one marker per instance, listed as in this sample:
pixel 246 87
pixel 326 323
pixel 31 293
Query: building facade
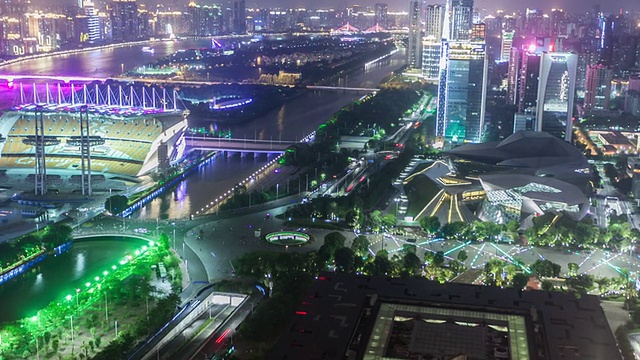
pixel 124 20
pixel 466 91
pixel 414 52
pixel 556 93
pixel 598 87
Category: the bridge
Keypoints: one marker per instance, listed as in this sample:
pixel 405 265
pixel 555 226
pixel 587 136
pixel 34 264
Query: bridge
pixel 239 145
pixel 341 88
pixel 67 79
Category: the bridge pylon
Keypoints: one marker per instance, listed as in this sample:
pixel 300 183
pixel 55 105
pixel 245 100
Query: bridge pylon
pixel 40 160
pixel 85 151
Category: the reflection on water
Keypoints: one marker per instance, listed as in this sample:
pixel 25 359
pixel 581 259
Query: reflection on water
pixel 56 277
pixel 291 121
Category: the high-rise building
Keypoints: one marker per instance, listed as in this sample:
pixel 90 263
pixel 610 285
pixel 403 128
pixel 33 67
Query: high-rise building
pixel 507 42
pixel 431 50
pixel 239 17
pixel 513 75
pixel 381 13
pixel 433 22
pixel 432 44
pixel 528 84
pixel 204 20
pixel 598 87
pixel 466 91
pixel 124 20
pixel 558 22
pixel 414 52
pixel 556 93
pixel 461 19
pixel 92 22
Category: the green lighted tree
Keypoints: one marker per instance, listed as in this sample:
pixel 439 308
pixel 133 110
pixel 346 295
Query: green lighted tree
pixel 163 241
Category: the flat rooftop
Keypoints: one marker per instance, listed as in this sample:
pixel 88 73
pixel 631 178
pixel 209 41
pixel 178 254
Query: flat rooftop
pixel 347 316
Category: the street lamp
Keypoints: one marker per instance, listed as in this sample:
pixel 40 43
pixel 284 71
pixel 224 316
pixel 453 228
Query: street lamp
pixel 397 200
pixel 106 304
pixel 72 333
pixel 277 190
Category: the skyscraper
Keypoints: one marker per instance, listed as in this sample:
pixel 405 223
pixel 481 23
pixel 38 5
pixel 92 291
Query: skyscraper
pixel 466 92
pixel 431 59
pixel 507 42
pixel 432 43
pixel 381 12
pixel 556 92
pixel 204 20
pixel 461 19
pixel 92 22
pixel 598 87
pixel 124 20
pixel 414 52
pixel 462 86
pixel 433 22
pixel 239 17
pixel 528 82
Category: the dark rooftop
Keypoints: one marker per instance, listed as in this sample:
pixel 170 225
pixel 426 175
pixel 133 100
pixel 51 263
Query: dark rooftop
pixel 347 316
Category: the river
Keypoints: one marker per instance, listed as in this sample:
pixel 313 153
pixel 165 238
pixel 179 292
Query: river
pixel 291 121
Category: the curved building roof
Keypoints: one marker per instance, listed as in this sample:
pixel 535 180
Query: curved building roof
pixel 539 152
pixel 534 194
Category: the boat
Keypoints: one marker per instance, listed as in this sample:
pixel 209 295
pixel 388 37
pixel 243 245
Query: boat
pixel 148 49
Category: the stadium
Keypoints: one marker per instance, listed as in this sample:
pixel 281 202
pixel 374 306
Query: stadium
pixel 131 130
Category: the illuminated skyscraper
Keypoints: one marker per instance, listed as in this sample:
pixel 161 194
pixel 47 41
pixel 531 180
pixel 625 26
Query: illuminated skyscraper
pixel 204 20
pixel 556 92
pixel 466 92
pixel 462 86
pixel 414 52
pixel 432 43
pixel 431 51
pixel 461 19
pixel 92 22
pixel 507 42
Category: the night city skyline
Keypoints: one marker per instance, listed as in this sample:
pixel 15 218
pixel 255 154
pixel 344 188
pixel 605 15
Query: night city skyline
pixel 300 179
pixel 612 7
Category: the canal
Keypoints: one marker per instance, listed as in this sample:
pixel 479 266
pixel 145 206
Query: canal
pixel 56 277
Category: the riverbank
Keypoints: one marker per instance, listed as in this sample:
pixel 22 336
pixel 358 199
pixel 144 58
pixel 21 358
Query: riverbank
pixel 123 303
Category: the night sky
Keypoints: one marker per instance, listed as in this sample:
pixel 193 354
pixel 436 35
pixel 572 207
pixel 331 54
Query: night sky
pixel 611 6
pixel 509 5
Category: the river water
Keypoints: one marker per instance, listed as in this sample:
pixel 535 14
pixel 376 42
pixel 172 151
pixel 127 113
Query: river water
pixel 291 121
pixel 56 277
